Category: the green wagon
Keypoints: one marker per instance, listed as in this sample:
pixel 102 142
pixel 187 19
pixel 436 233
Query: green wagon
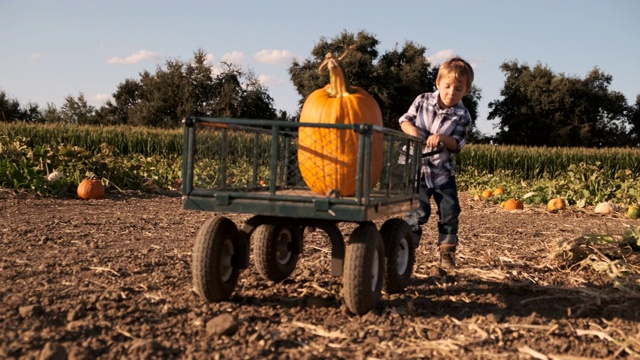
pixel 247 166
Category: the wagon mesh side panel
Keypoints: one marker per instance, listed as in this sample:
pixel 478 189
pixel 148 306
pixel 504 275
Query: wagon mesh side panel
pixel 264 159
pixel 239 159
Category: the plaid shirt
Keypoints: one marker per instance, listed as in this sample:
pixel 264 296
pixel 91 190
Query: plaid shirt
pixel 426 115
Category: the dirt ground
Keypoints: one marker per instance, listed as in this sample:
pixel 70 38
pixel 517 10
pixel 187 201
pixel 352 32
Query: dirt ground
pixel 111 279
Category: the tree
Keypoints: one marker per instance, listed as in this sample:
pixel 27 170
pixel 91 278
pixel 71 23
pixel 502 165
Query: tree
pixel 634 121
pixel 394 78
pixel 201 85
pixel 255 102
pixel 542 108
pixel 227 92
pixel 10 109
pixel 52 115
pixel 31 113
pixel 77 111
pixel 164 97
pixel 126 97
pixel 403 74
pixel 180 89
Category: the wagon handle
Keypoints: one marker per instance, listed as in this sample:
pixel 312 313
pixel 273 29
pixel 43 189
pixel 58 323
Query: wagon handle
pixel 437 150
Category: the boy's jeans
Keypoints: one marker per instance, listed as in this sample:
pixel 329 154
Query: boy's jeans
pixel 446 198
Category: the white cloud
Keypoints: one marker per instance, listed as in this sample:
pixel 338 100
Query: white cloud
pixel 210 58
pixel 140 56
pixel 234 57
pixel 35 56
pixel 441 56
pixel 444 55
pixel 101 98
pixel 267 80
pixel 274 56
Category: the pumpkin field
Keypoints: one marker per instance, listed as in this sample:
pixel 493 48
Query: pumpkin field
pixel 110 277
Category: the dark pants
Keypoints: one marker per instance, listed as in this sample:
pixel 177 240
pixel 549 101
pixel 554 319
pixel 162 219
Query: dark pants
pixel 446 198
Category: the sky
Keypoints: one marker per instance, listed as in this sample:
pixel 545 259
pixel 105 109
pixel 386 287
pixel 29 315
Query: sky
pixel 58 48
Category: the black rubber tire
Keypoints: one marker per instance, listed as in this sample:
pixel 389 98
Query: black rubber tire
pixel 400 255
pixel 214 272
pixel 276 249
pixel 364 269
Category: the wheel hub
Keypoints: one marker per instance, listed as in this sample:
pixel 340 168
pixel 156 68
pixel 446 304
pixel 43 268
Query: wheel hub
pixel 226 267
pixel 283 247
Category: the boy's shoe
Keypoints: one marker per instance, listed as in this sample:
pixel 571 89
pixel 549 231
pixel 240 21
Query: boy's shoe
pixel 447 257
pixel 446 262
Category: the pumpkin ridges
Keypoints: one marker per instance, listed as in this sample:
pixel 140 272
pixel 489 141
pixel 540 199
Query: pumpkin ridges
pixel 556 204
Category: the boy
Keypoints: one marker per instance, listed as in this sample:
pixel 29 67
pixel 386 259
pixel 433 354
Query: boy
pixel 441 118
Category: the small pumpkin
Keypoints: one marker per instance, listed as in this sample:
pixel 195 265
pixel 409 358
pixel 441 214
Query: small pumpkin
pixel 328 157
pixel 498 191
pixel 633 212
pixel 513 204
pixel 556 204
pixel 487 194
pixel 91 189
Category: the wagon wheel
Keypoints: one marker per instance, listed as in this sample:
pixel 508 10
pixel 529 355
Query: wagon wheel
pixel 276 249
pixel 400 254
pixel 364 266
pixel 214 272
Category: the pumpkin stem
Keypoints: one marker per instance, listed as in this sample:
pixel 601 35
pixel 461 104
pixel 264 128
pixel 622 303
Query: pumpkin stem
pixel 339 84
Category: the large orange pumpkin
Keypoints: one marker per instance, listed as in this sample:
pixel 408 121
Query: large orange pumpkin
pixel 328 157
pixel 91 189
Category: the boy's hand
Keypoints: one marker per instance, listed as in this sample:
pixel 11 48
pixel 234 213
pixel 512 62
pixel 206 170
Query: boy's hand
pixel 448 141
pixel 434 140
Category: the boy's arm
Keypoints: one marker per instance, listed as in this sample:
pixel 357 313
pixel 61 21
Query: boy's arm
pixel 409 128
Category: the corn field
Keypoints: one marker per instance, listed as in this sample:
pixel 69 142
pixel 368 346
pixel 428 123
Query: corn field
pixel 136 157
pixel 536 163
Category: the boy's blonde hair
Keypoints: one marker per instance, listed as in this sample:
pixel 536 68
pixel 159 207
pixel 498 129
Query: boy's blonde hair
pixel 459 68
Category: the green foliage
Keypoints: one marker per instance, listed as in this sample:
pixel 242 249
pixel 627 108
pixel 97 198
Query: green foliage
pixel 128 157
pixel 181 89
pixel 542 108
pixel 24 166
pixel 582 176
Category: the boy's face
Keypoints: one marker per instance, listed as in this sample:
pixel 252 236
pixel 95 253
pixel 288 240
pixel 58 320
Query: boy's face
pixel 452 90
